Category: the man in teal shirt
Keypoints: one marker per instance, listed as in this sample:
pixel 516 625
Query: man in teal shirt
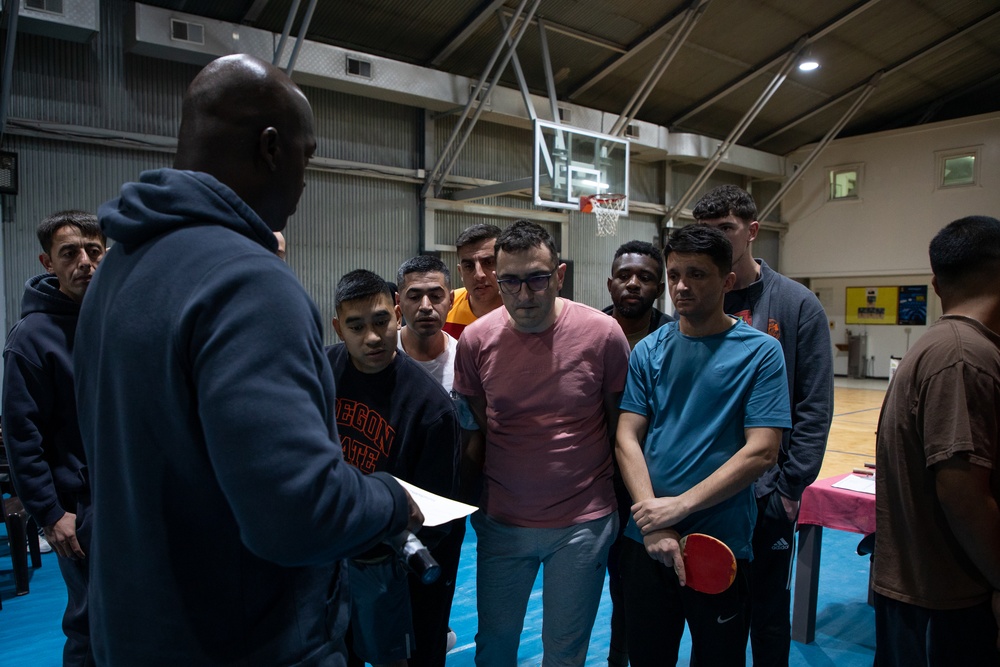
pixel 702 416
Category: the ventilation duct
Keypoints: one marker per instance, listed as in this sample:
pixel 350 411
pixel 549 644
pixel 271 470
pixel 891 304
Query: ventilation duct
pixel 70 20
pixel 332 68
pixel 161 33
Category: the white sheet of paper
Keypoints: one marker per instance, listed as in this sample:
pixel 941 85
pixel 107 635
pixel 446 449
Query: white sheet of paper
pixel 860 483
pixel 437 509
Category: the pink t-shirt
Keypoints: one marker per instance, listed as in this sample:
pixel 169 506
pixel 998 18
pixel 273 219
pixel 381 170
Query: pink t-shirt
pixel 548 457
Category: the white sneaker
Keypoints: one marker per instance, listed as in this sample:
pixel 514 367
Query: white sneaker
pixel 43 544
pixel 452 640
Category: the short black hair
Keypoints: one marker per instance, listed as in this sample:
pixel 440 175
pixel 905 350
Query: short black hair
pixel 965 250
pixel 524 235
pixel 477 234
pixel 82 220
pixel 702 240
pixel 723 200
pixel 642 248
pixel 361 284
pixel 423 264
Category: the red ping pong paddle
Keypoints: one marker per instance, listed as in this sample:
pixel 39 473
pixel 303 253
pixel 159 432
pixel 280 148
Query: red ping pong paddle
pixel 708 563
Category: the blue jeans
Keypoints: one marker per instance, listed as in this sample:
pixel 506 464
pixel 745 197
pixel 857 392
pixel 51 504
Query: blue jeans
pixel 508 558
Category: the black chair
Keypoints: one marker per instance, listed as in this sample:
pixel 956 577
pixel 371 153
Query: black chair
pixel 22 533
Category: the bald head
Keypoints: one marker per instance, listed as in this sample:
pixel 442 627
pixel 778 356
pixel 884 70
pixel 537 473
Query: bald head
pixel 245 123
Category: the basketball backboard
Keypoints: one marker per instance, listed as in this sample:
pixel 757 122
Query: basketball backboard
pixel 570 162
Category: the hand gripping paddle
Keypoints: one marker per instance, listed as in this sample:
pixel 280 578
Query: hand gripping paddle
pixel 708 563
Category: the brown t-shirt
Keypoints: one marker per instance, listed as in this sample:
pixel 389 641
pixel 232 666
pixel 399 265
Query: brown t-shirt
pixel 944 401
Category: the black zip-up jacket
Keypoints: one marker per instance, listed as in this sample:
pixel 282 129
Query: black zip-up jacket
pixel 791 313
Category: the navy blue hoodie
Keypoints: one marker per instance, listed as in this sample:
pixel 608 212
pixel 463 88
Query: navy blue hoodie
pixel 222 503
pixel 39 409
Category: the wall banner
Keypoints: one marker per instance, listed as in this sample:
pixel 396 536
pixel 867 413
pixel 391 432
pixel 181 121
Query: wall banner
pixel 912 305
pixel 872 305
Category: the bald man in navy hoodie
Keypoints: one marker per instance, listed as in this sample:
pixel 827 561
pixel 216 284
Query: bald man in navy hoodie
pixel 223 505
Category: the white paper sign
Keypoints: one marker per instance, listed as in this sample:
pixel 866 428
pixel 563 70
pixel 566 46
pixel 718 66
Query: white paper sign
pixel 859 483
pixel 437 509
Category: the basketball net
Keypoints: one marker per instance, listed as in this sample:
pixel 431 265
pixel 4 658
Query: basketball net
pixel 607 208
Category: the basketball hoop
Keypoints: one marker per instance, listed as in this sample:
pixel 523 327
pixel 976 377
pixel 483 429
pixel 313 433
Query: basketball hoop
pixel 607 208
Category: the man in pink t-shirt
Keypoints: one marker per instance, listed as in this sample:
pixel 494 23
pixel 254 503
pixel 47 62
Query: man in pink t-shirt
pixel 543 376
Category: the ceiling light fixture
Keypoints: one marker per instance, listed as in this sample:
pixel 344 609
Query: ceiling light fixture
pixel 808 63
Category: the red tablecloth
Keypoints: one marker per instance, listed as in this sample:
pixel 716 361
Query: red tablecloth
pixel 823 505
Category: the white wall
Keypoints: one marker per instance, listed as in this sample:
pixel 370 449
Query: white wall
pixel 887 230
pixel 884 340
pixel 881 238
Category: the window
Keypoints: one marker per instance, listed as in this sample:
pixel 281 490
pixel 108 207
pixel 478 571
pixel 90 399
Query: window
pixel 845 182
pixel 958 167
pixel 359 67
pixel 54 6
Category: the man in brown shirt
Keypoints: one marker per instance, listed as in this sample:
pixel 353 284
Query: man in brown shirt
pixel 937 548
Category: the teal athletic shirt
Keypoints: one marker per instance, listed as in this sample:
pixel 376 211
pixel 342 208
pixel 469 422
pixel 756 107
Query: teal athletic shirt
pixel 699 395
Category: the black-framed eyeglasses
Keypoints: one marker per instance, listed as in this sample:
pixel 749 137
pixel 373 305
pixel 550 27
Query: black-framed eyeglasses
pixel 534 283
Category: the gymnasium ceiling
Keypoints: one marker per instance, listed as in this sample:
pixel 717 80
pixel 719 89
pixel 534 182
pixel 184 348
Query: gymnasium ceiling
pixel 938 59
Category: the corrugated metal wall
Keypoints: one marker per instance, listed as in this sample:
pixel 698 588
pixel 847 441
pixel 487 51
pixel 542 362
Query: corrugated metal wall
pixel 494 152
pixel 344 221
pixel 54 176
pixel 365 130
pixel 96 84
pixel 647 182
pixel 686 174
pixel 593 254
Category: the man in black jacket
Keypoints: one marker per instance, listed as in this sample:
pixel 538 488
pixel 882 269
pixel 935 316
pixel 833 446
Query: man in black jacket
pixel 39 409
pixel 393 417
pixel 636 282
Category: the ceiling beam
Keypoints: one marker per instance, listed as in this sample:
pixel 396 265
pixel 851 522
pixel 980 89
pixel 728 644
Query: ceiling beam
pixel 665 26
pixel 303 29
pixel 471 26
pixel 932 109
pixel 286 31
pixel 892 69
pixel 577 34
pixel 250 18
pixel 830 136
pixel 737 132
pixel 757 70
pixel 687 24
pixel 453 148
